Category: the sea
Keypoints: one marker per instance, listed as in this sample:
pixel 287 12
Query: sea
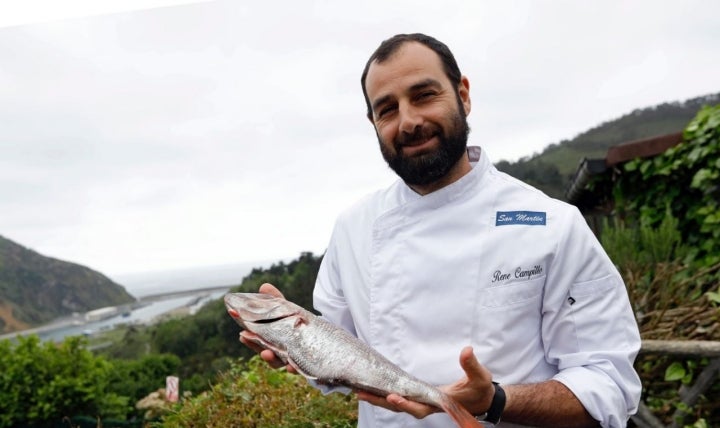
pixel 159 293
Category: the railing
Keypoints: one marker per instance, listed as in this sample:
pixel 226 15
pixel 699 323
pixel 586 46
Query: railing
pixel 688 394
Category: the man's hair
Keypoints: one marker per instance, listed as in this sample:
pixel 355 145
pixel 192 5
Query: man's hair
pixel 388 47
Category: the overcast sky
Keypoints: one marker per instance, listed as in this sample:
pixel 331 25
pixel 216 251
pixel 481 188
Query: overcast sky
pixel 218 132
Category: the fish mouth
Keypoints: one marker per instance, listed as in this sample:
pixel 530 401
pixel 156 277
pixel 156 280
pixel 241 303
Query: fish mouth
pixel 257 308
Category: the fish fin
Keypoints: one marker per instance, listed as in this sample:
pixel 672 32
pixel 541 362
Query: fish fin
pixel 458 413
pixel 300 320
pixel 299 370
pixel 280 353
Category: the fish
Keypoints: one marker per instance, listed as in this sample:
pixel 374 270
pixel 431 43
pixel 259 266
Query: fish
pixel 328 354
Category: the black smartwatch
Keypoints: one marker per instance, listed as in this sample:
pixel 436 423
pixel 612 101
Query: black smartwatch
pixel 492 416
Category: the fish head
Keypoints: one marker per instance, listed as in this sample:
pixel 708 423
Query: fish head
pixel 252 310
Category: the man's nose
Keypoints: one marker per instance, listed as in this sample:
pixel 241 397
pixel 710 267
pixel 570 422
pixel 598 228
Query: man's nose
pixel 410 119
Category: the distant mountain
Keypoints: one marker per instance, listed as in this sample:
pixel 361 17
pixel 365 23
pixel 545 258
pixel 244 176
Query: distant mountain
pixel 551 170
pixel 35 289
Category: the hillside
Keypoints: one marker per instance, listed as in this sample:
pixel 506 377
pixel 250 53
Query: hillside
pixel 551 170
pixel 35 289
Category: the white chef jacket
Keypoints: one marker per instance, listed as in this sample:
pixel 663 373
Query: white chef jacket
pixel 490 262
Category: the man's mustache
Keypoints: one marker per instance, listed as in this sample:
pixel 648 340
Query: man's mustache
pixel 420 134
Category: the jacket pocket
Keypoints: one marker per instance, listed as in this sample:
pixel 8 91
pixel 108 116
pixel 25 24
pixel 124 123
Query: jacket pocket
pixel 518 293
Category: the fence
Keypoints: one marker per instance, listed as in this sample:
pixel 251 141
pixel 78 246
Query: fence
pixel 689 394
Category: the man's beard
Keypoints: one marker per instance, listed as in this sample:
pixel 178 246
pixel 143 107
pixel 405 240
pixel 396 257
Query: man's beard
pixel 427 168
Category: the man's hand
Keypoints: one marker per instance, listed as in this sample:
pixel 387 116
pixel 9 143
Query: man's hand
pixel 250 339
pixel 474 391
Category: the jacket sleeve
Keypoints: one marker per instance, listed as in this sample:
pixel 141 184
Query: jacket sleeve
pixel 589 328
pixel 328 297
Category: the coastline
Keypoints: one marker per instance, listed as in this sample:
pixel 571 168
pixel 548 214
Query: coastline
pixel 144 311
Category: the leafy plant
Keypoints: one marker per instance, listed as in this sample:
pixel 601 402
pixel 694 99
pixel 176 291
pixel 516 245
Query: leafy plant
pixel 666 294
pixel 254 395
pixel 686 179
pixel 45 382
pixel 135 379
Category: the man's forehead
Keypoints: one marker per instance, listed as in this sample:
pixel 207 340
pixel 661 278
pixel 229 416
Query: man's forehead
pixel 411 63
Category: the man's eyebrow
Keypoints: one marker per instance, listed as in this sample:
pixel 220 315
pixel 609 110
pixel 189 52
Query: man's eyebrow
pixel 423 84
pixel 380 101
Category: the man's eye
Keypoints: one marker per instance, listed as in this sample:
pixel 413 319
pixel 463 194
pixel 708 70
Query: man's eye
pixel 425 95
pixel 385 111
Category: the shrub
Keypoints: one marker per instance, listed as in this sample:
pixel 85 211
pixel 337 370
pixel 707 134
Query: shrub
pixel 43 383
pixel 670 303
pixel 254 395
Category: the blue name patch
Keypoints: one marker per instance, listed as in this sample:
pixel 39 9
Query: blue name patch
pixel 531 218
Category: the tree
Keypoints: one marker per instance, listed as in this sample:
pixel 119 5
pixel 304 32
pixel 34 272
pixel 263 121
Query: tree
pixel 45 382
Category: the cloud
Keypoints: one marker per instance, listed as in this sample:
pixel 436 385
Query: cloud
pixel 215 132
pixel 35 11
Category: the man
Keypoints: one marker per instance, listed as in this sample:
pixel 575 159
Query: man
pixel 458 258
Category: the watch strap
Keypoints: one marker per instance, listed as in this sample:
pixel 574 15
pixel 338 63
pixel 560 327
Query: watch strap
pixel 497 405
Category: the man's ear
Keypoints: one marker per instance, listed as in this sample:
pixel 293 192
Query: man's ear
pixel 464 93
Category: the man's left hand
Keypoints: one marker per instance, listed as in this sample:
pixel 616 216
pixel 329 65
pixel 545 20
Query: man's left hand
pixel 474 391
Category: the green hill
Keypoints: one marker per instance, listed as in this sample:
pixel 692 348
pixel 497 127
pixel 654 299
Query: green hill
pixel 35 289
pixel 551 170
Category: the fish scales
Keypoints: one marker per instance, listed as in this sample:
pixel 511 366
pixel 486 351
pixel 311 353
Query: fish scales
pixel 329 354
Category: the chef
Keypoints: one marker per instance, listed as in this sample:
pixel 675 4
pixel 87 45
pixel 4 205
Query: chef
pixel 468 278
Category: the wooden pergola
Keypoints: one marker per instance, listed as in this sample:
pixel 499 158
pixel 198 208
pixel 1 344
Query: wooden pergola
pixel 591 187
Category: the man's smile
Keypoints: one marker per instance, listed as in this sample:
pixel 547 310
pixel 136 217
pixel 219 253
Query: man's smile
pixel 418 146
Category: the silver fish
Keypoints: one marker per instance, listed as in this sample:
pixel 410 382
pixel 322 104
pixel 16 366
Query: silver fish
pixel 328 354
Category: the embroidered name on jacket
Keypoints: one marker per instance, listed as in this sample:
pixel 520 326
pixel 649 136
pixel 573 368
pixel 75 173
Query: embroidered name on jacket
pixel 531 218
pixel 520 273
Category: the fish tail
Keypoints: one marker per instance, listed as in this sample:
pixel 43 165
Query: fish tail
pixel 458 413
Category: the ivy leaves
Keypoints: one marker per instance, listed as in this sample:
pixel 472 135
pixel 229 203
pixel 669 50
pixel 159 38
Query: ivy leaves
pixel 685 178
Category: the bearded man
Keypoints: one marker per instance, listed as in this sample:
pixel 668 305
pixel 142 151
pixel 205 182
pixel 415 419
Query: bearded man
pixel 457 258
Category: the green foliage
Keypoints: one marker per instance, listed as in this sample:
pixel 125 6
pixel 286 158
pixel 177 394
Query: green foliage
pixel 254 395
pixel 714 297
pixel 650 258
pixel 666 294
pixel 135 379
pixel 123 342
pixel 677 371
pixel 41 384
pixel 685 178
pixel 177 336
pixel 44 382
pixel 647 245
pixel 700 423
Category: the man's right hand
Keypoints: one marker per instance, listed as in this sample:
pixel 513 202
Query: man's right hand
pixel 249 339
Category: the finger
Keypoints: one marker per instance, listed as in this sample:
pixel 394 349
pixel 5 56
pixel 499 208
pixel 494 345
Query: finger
pixel 375 400
pixel 267 355
pixel 476 391
pixel 418 410
pixel 272 359
pixel 472 367
pixel 268 288
pixel 248 339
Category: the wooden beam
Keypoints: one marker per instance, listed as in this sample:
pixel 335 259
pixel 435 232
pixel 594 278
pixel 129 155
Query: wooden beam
pixel 698 348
